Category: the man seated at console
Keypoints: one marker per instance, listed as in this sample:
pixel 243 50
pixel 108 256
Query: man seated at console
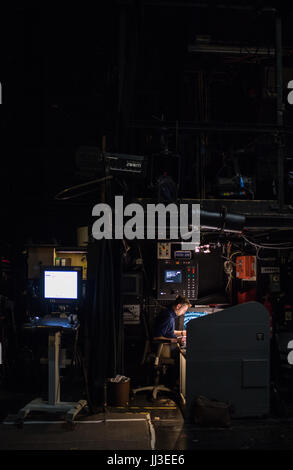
pixel 164 327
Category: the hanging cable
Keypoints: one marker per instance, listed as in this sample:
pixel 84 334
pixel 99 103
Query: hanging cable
pixel 267 246
pixel 83 185
pixel 229 266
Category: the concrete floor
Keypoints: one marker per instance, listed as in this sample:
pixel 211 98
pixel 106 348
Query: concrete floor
pixel 164 418
pixel 174 433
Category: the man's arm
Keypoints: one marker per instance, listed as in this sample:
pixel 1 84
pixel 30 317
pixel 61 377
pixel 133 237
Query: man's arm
pixel 164 338
pixel 180 332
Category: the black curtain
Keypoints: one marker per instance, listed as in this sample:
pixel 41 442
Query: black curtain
pixel 104 322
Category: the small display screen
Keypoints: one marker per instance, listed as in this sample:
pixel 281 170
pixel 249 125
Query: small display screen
pixel 173 276
pixel 181 254
pixel 61 284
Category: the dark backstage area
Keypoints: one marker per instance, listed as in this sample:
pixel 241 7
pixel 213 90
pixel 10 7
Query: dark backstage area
pixel 146 269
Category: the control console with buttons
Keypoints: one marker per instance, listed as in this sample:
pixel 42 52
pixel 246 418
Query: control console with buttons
pixel 177 277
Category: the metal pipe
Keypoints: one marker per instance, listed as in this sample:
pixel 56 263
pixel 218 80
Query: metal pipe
pixel 238 223
pixel 181 4
pixel 280 109
pixel 195 126
pixel 237 50
pixel 223 221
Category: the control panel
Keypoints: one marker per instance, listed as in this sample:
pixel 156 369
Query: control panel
pixel 177 277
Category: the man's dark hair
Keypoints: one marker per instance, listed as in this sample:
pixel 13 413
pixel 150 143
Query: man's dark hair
pixel 180 299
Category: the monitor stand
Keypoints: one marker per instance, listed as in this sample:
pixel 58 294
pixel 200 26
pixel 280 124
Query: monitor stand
pixel 53 405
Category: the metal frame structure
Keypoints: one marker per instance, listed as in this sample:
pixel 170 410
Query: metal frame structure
pixel 53 405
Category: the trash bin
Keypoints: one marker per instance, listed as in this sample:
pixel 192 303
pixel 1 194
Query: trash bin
pixel 118 391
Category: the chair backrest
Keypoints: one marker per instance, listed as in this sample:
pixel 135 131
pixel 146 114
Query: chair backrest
pixel 154 350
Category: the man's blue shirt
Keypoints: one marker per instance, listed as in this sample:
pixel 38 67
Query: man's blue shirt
pixel 165 324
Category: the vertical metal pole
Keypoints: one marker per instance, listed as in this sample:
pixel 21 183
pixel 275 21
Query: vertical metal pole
pixel 121 74
pixel 53 368
pixel 121 58
pixel 280 109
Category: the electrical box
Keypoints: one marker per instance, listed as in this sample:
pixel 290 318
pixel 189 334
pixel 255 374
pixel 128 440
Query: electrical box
pixel 246 268
pixel 41 255
pixel 275 282
pixel 164 251
pixel 131 314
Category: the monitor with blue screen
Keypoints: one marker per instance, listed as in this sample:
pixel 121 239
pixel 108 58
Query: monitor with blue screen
pixel 173 276
pixel 190 315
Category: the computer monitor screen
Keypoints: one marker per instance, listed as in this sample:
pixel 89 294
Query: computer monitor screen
pixel 61 284
pixel 191 315
pixel 173 276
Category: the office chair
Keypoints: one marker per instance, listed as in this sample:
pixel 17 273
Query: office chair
pixel 153 355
